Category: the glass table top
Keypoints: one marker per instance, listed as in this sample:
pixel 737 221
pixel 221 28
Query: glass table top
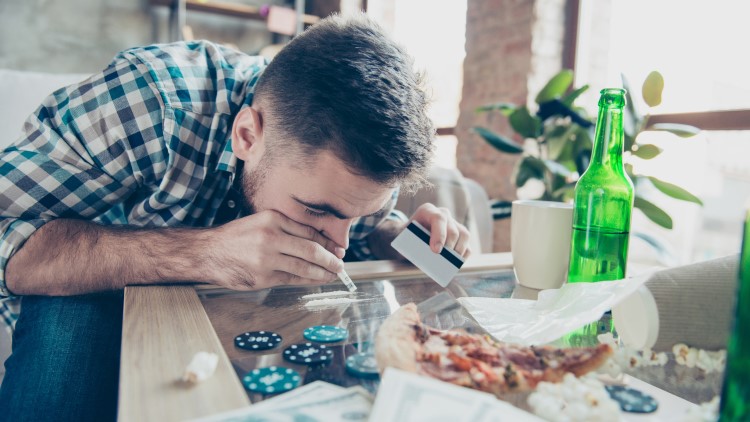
pixel 287 312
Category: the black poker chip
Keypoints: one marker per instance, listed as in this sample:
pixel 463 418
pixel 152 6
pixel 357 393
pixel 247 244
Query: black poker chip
pixel 632 400
pixel 308 354
pixel 257 340
pixel 362 365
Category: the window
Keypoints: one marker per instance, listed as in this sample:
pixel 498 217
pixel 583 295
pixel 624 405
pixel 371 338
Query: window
pixel 698 48
pixel 434 33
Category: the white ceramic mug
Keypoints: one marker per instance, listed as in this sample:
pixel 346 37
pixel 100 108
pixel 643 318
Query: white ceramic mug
pixel 540 242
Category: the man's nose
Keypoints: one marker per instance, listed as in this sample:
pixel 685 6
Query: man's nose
pixel 338 231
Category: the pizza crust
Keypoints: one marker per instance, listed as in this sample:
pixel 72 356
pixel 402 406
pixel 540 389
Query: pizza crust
pixel 476 361
pixel 396 344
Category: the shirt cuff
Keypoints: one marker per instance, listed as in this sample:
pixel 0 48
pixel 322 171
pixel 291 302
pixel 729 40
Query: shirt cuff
pixel 14 235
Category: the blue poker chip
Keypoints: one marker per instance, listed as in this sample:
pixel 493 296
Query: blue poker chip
pixel 308 354
pixel 257 340
pixel 362 365
pixel 271 380
pixel 632 400
pixel 326 333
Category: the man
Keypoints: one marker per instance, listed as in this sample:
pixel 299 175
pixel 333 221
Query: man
pixel 192 162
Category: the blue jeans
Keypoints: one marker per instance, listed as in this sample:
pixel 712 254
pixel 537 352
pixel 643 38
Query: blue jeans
pixel 66 359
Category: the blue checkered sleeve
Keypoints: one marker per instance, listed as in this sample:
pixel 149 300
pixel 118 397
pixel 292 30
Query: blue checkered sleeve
pixel 358 243
pixel 52 173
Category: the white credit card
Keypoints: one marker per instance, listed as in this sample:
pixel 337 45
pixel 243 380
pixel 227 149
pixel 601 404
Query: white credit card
pixel 414 244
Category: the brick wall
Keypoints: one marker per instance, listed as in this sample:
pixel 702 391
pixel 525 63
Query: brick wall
pixel 512 47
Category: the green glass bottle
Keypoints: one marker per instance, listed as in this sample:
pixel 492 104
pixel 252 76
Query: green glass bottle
pixel 735 396
pixel 603 201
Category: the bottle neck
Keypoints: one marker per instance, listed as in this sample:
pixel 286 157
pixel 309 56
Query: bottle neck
pixel 608 142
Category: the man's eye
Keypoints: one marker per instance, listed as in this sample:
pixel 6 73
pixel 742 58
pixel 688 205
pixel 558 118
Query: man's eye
pixel 315 213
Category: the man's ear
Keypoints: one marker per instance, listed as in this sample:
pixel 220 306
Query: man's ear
pixel 247 135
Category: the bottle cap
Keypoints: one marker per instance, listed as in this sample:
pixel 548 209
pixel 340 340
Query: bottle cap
pixel 636 319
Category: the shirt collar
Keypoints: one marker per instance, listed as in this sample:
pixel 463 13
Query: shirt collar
pixel 227 159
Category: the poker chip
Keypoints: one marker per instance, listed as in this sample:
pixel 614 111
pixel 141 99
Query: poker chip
pixel 362 365
pixel 257 340
pixel 308 354
pixel 325 333
pixel 632 400
pixel 271 380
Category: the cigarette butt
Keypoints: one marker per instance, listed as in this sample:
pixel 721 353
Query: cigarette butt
pixel 344 277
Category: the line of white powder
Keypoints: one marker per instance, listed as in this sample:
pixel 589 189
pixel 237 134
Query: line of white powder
pixel 330 302
pixel 327 294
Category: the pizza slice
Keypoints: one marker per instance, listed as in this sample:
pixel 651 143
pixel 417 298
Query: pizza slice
pixel 476 361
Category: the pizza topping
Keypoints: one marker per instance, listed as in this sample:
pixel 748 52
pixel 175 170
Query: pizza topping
pixel 476 361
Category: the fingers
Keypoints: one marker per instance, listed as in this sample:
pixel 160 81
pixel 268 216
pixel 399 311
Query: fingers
pixel 462 243
pixel 301 271
pixel 312 253
pixel 308 244
pixel 437 223
pixel 445 231
pixel 296 229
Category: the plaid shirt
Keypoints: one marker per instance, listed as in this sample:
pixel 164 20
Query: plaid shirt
pixel 145 143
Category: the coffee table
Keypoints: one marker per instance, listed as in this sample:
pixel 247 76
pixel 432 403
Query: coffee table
pixel 164 326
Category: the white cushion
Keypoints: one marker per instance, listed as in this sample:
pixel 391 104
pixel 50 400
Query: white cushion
pixel 21 93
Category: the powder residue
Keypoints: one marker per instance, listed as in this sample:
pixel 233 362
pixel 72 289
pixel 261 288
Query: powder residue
pixel 330 302
pixel 336 293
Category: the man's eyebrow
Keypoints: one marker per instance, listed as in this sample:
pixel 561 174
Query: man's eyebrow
pixel 326 207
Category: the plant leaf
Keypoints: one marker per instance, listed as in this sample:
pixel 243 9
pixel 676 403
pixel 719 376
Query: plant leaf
pixel 558 138
pixel 505 108
pixel 556 168
pixel 674 191
pixel 529 167
pixel 525 124
pixel 654 213
pixel 683 131
pixel 556 86
pixel 570 98
pixel 628 141
pixel 629 170
pixel 499 142
pixel 565 193
pixel 631 117
pixel 558 108
pixel 646 152
pixel 652 88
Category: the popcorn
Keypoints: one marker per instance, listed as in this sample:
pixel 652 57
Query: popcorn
pixel 624 357
pixel 702 359
pixel 201 367
pixel 574 399
pixel 706 412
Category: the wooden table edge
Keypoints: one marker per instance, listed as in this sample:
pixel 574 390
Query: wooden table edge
pixel 164 326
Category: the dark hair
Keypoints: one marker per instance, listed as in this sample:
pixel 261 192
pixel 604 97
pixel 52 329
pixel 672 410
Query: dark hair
pixel 344 86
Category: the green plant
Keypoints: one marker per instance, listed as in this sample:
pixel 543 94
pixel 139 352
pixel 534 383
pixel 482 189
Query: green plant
pixel 559 137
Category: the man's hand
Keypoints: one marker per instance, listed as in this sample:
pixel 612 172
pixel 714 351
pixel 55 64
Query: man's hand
pixel 69 257
pixel 444 231
pixel 267 249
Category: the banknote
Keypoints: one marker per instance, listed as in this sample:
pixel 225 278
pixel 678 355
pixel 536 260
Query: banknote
pixel 404 396
pixel 317 401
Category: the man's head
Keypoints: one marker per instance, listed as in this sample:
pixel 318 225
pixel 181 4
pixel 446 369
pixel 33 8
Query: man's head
pixel 342 106
pixel 343 86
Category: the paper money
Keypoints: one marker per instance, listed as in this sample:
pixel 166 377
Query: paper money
pixel 404 396
pixel 317 401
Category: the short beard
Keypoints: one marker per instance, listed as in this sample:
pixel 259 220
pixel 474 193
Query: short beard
pixel 252 181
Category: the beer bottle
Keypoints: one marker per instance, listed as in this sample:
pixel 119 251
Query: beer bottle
pixel 735 396
pixel 603 201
